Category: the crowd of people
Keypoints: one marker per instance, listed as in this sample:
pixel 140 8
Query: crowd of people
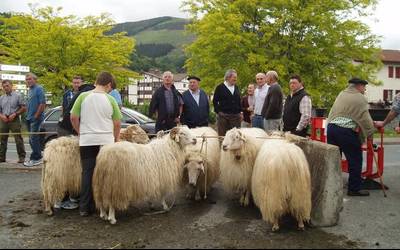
pixel 93 113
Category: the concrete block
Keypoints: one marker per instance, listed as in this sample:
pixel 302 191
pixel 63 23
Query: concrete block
pixel 326 181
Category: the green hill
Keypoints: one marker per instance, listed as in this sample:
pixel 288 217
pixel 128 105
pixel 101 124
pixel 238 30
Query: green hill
pixel 159 43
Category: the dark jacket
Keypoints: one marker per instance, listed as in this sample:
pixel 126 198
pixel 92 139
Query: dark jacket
pixel 65 121
pixel 245 107
pixel 273 104
pixel 195 115
pixel 158 105
pixel 291 113
pixel 225 102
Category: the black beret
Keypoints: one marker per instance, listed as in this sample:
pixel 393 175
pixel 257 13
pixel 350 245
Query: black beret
pixel 193 77
pixel 358 81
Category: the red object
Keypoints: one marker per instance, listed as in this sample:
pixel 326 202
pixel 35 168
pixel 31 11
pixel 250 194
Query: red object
pixel 318 129
pixel 318 134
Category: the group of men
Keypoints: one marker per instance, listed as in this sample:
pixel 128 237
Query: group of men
pixel 263 107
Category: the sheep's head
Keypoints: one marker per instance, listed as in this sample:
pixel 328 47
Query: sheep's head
pixel 183 136
pixel 234 141
pixel 134 133
pixel 194 166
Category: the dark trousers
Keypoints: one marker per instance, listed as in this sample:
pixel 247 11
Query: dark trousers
pixel 88 158
pixel 226 122
pixel 349 143
pixel 13 127
pixel 35 140
pixel 166 124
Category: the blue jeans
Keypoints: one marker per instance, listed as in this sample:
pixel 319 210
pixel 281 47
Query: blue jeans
pixel 34 140
pixel 258 121
pixel 349 143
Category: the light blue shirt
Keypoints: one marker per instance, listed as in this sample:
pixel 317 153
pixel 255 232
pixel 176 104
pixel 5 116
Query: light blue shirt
pixel 196 96
pixel 117 96
pixel 36 97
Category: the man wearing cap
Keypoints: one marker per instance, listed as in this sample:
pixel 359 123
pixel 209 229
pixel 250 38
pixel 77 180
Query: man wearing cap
pixel 349 124
pixel 196 107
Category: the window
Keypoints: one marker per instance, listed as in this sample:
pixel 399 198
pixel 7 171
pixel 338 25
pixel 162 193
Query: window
pixel 391 72
pixel 55 116
pixel 398 72
pixel 388 95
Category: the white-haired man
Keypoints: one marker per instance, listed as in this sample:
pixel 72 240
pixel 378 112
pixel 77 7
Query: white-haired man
pixel 259 100
pixel 166 104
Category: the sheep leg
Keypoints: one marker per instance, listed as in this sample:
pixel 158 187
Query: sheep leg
pixel 247 199
pixel 111 216
pixel 103 214
pixel 242 197
pixel 48 208
pixel 300 224
pixel 165 206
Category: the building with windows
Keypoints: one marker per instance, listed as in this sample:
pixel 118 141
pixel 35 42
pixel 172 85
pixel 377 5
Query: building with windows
pixel 141 91
pixel 389 75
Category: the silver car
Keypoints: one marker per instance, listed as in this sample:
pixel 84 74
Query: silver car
pixel 129 117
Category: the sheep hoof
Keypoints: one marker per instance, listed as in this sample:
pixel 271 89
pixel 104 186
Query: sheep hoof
pixel 275 228
pixel 50 213
pixel 104 217
pixel 301 229
pixel 113 221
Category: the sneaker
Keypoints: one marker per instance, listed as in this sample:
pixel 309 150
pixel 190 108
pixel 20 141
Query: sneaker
pixel 74 200
pixel 37 162
pixel 28 163
pixel 68 205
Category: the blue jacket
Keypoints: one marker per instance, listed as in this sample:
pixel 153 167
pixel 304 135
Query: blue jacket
pixel 195 115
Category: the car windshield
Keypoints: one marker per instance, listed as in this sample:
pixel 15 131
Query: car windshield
pixel 142 118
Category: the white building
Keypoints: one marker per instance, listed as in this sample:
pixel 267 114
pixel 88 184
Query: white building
pixel 389 75
pixel 142 90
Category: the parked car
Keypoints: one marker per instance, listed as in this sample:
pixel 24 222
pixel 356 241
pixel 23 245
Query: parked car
pixel 129 117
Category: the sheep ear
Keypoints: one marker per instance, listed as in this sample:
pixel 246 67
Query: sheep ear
pixel 174 134
pixel 242 137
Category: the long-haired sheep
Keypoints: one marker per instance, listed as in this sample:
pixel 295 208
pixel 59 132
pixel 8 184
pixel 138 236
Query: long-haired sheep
pixel 281 183
pixel 239 151
pixel 62 170
pixel 128 173
pixel 198 163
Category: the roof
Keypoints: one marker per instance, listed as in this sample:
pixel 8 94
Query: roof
pixel 390 56
pixel 180 77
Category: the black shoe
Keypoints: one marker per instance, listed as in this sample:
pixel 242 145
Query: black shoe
pixel 358 193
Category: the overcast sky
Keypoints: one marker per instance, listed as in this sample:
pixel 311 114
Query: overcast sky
pixel 134 10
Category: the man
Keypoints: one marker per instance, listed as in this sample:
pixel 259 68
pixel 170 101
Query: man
pixel 227 104
pixel 273 105
pixel 297 109
pixel 259 98
pixel 166 104
pixel 117 96
pixel 67 99
pixel 196 107
pixel 395 112
pixel 248 106
pixel 349 123
pixel 34 117
pixel 97 119
pixel 12 106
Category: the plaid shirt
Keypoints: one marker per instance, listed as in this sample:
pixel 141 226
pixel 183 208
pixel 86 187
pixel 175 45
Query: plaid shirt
pixel 396 104
pixel 305 110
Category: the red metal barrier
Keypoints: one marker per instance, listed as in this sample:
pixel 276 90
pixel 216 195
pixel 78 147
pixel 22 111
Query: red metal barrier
pixel 318 134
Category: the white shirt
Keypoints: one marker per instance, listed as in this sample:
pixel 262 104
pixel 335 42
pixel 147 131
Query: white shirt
pixel 230 87
pixel 196 96
pixel 260 94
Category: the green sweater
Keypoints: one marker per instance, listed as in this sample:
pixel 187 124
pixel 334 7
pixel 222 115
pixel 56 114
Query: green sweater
pixel 353 105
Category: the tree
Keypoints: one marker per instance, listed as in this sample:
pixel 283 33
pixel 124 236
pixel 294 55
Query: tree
pixel 317 39
pixel 57 48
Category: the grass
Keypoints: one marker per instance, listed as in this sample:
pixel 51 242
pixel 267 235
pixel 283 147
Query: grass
pixel 388 134
pixel 175 37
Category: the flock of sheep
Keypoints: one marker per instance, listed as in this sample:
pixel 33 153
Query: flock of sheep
pixel 268 168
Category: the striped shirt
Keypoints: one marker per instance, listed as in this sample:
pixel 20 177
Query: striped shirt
pixel 344 122
pixel 11 103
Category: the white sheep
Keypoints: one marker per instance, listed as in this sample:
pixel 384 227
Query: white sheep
pixel 62 169
pixel 128 173
pixel 198 163
pixel 281 183
pixel 239 151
